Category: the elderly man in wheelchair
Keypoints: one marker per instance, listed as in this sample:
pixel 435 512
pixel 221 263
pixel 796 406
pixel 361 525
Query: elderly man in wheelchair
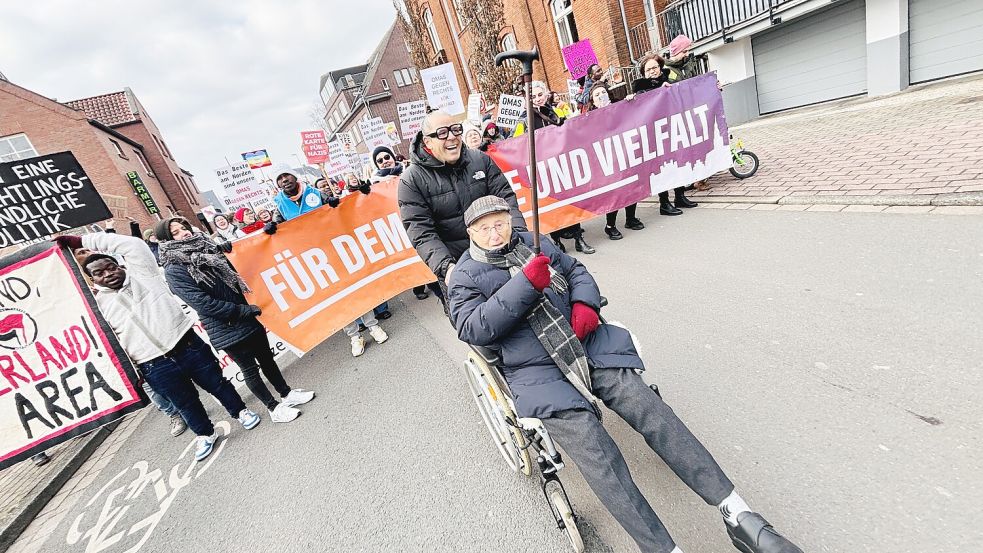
pixel 539 314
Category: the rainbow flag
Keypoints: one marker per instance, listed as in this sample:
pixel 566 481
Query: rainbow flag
pixel 257 159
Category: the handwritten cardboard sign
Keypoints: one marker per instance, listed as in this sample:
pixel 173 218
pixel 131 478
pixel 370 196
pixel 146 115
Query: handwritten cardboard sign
pixel 443 92
pixel 511 110
pixel 579 56
pixel 411 115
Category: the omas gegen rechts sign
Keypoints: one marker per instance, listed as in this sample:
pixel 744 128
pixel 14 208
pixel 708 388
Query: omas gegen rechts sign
pixel 43 195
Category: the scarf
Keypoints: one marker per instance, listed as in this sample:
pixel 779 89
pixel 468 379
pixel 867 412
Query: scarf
pixel 205 262
pixel 549 324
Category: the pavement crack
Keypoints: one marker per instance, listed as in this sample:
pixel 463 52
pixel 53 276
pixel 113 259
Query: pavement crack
pixel 930 420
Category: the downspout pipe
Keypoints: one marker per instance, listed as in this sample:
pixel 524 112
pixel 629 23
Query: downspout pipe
pixel 457 46
pixel 624 21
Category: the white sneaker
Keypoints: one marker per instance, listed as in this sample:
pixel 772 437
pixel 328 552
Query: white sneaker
pixel 358 346
pixel 284 413
pixel 298 397
pixel 378 334
pixel 204 446
pixel 248 419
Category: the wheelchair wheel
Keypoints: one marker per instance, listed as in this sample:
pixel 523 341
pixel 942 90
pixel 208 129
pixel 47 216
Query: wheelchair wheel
pixel 494 409
pixel 565 513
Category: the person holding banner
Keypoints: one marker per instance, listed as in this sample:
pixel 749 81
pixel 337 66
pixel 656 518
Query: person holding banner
pixel 295 198
pixel 489 135
pixel 198 273
pixel 248 223
pixel 385 164
pixel 156 333
pixel 539 312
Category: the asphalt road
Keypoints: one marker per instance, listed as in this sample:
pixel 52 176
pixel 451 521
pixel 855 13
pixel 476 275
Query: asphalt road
pixel 830 361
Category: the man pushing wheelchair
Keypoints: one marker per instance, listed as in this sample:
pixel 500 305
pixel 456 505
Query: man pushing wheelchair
pixel 540 314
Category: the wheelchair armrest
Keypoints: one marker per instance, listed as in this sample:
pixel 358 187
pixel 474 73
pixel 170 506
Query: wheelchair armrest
pixel 604 301
pixel 489 355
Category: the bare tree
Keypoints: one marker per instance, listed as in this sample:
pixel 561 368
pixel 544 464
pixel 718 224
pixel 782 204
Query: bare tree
pixel 484 19
pixel 317 113
pixel 415 32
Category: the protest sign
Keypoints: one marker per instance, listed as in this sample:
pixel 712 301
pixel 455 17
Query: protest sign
pixel 443 92
pixel 573 89
pixel 328 267
pixel 141 192
pixel 511 110
pixel 411 116
pixel 257 159
pixel 578 57
pixel 315 146
pixel 239 186
pixel 42 195
pixel 337 160
pixel 475 104
pixel 392 133
pixel 619 155
pixel 62 372
pixel 374 133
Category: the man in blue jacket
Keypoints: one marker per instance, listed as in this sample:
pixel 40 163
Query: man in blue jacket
pixel 540 313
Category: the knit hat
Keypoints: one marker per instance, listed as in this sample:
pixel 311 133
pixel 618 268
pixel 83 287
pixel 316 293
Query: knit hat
pixel 483 206
pixel 678 44
pixel 470 126
pixel 486 125
pixel 378 150
pixel 240 214
pixel 148 233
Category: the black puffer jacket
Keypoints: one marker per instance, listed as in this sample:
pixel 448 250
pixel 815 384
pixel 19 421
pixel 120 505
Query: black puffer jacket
pixel 433 197
pixel 223 311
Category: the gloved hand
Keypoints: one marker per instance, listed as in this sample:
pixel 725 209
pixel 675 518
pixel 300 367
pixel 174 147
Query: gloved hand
pixel 365 188
pixel 538 272
pixel 333 201
pixel 270 228
pixel 69 241
pixel 225 246
pixel 583 319
pixel 255 310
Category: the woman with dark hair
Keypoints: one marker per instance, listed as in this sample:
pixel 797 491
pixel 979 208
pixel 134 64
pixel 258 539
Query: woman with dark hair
pixel 597 99
pixel 655 75
pixel 197 272
pixel 225 231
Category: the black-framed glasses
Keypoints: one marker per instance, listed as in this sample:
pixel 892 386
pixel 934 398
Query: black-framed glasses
pixel 442 133
pixel 383 157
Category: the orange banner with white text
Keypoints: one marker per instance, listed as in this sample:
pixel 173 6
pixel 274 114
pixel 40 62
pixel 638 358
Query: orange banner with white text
pixel 326 268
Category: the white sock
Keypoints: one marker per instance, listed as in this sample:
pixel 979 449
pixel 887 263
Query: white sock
pixel 732 506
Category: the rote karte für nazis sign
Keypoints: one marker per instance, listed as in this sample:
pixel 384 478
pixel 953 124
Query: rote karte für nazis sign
pixel 43 195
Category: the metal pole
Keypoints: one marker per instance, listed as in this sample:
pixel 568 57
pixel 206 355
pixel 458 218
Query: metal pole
pixel 533 172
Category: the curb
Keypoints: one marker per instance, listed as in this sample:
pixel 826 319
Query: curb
pixel 33 506
pixel 935 200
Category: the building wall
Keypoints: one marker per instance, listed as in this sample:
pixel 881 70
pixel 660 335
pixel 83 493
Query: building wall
pixel 52 127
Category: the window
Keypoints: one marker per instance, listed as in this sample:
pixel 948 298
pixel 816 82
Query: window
pixel 399 78
pixel 337 118
pixel 161 146
pixel 119 151
pixel 16 147
pixel 432 30
pixel 344 107
pixel 508 43
pixel 413 74
pixel 385 84
pixel 460 19
pixel 566 27
pixel 187 187
pixel 356 134
pixel 143 163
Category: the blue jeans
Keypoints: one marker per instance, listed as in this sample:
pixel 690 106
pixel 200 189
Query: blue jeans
pixel 176 373
pixel 163 404
pixel 381 308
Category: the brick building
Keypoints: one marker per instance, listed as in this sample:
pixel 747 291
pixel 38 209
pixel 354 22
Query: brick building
pixel 617 30
pixel 371 90
pixel 123 112
pixel 34 125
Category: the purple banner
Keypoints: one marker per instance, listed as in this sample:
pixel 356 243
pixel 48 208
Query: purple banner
pixel 619 155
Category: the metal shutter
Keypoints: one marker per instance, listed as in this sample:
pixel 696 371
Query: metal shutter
pixel 821 56
pixel 945 38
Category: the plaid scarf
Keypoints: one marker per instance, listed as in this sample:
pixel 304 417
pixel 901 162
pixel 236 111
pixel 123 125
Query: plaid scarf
pixel 549 324
pixel 203 259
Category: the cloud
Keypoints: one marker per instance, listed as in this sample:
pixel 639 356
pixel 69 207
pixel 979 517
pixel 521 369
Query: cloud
pixel 219 78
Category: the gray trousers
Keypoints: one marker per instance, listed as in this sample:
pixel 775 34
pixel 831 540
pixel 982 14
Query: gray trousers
pixel 587 443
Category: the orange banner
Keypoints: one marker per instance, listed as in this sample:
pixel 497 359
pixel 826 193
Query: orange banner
pixel 330 266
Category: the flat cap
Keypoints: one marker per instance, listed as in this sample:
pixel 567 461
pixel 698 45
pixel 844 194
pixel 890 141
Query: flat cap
pixel 483 206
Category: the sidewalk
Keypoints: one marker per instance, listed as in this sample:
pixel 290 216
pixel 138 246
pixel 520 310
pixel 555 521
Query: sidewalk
pixel 924 141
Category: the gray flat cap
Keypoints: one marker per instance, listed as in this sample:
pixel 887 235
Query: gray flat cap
pixel 483 206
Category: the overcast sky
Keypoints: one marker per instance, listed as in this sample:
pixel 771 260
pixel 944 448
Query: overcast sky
pixel 218 77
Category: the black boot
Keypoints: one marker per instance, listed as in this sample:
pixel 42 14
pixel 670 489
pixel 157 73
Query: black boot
pixel 559 244
pixel 667 208
pixel 613 233
pixel 582 246
pixel 754 535
pixel 634 224
pixel 683 201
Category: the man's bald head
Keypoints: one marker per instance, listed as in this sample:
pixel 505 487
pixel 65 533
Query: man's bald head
pixel 436 119
pixel 447 149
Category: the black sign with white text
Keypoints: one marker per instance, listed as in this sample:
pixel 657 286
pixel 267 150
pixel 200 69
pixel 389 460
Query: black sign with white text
pixel 43 195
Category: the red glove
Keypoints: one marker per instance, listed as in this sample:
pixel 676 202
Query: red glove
pixel 538 272
pixel 583 319
pixel 69 241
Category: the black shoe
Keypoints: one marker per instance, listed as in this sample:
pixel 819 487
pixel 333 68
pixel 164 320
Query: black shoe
pixel 582 246
pixel 634 224
pixel 361 327
pixel 667 208
pixel 613 233
pixel 683 201
pixel 384 315
pixel 41 459
pixel 754 535
pixel 422 295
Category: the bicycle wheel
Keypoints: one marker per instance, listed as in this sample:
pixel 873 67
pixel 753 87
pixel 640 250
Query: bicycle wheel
pixel 565 512
pixel 490 401
pixel 746 165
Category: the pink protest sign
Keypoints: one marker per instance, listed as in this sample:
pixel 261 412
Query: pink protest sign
pixel 579 56
pixel 315 146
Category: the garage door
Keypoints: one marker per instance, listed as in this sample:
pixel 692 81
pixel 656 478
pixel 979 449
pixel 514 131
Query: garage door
pixel 945 38
pixel 822 56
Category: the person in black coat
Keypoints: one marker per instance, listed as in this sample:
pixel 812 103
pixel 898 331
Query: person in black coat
pixel 197 272
pixel 656 75
pixel 540 312
pixel 440 183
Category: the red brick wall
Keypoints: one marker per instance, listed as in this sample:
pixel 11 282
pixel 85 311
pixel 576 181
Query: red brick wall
pixel 52 127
